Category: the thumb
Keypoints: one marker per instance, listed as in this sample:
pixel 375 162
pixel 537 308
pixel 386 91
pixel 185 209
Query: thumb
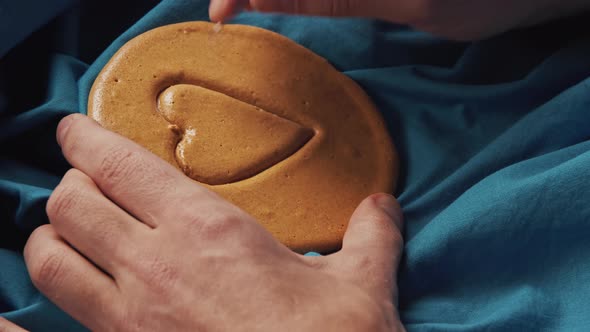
pixel 359 8
pixel 372 245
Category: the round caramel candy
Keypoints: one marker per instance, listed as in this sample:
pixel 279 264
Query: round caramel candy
pixel 257 118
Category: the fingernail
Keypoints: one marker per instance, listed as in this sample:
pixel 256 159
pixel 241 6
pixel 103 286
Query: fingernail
pixel 390 206
pixel 62 128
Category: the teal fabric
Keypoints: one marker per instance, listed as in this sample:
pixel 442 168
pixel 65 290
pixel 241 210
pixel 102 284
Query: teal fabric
pixel 494 139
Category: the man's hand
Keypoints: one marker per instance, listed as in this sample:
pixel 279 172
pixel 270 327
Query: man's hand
pixel 134 245
pixel 455 19
pixel 6 326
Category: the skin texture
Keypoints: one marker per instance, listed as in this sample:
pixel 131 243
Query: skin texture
pixel 6 326
pixel 454 19
pixel 118 256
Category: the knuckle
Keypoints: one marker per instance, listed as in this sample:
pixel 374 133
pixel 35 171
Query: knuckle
pixel 159 275
pixel 48 270
pixel 211 220
pixel 127 322
pixel 63 199
pixel 105 231
pixel 118 164
pixel 365 263
pixel 163 276
pixel 219 227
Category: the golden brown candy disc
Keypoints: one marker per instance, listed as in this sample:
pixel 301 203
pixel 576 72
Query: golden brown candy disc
pixel 259 119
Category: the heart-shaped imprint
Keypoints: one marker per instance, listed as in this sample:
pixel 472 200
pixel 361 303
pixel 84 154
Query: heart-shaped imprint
pixel 223 140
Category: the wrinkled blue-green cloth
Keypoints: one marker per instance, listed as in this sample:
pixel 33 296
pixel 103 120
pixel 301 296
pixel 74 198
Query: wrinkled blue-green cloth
pixel 494 140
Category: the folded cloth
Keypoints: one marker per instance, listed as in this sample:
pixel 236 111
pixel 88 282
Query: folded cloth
pixel 494 140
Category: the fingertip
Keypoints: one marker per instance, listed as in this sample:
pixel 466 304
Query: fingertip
pixel 65 124
pixel 390 206
pixel 222 10
pixel 376 222
pixel 62 128
pixel 373 244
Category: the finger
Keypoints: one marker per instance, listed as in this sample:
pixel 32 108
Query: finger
pixel 132 177
pixel 91 223
pixel 373 244
pixel 69 280
pixel 7 326
pixel 339 8
pixel 221 10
